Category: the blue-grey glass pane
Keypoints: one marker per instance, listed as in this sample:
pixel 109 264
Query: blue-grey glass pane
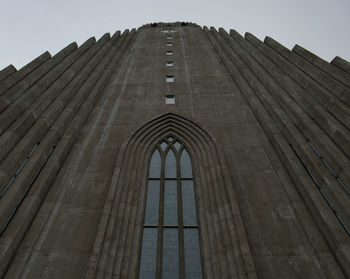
pixel 148 262
pixel 163 145
pixel 170 268
pixel 177 145
pixel 170 202
pixel 186 166
pixel 193 266
pixel 152 202
pixel 170 165
pixel 170 139
pixel 188 203
pixel 154 169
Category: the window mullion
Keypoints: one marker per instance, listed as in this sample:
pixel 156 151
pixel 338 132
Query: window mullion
pixel 180 218
pixel 161 218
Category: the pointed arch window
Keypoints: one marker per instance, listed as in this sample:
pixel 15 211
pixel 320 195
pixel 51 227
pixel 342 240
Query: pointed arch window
pixel 170 238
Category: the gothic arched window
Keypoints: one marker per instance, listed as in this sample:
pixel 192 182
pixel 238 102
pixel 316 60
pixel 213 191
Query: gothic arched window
pixel 170 239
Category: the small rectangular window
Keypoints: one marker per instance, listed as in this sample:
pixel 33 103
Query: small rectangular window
pixel 169 37
pixel 170 100
pixel 169 52
pixel 169 63
pixel 169 44
pixel 170 79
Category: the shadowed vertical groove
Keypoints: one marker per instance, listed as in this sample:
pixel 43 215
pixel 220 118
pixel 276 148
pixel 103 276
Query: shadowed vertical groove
pixel 119 252
pixel 63 139
pixel 336 240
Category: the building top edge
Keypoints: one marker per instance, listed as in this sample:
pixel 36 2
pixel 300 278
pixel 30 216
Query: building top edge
pixel 169 24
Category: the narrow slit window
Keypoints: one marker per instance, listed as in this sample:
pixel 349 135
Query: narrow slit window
pixel 170 239
pixel 169 63
pixel 169 37
pixel 169 52
pixel 169 44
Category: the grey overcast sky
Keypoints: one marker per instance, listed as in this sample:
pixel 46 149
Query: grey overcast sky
pixel 30 27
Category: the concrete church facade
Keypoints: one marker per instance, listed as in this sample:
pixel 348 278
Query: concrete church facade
pixel 175 151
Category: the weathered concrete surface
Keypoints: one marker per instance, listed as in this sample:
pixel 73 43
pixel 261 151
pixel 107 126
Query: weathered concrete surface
pixel 264 216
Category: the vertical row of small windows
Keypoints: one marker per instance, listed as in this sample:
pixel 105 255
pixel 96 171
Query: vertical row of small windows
pixel 170 240
pixel 169 99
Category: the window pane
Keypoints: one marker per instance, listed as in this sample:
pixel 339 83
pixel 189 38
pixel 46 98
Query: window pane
pixel 152 202
pixel 188 203
pixel 154 169
pixel 170 165
pixel 177 145
pixel 164 145
pixel 170 202
pixel 193 266
pixel 170 268
pixel 148 262
pixel 186 166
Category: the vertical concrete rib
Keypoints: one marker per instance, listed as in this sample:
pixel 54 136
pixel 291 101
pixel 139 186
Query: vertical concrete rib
pixel 19 88
pixel 291 61
pixel 128 39
pixel 32 88
pixel 73 117
pixel 323 66
pixel 330 120
pixel 279 142
pixel 331 104
pixel 329 127
pixel 330 186
pixel 18 129
pixel 23 72
pixel 4 73
pixel 40 128
pixel 341 63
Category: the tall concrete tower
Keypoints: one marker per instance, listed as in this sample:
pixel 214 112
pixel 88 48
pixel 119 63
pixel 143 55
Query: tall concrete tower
pixel 175 151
